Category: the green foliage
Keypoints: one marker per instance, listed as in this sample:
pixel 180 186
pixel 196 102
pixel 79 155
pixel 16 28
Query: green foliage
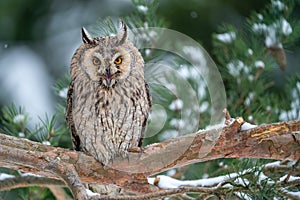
pixel 14 121
pixel 249 55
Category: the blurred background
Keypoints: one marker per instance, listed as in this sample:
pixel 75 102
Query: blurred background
pixel 38 38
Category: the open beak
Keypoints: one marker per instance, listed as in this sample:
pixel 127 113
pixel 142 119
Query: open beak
pixel 107 76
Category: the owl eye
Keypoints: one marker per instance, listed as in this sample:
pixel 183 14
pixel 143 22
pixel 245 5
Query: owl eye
pixel 96 61
pixel 118 60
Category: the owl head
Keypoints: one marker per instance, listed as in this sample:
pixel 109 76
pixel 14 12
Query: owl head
pixel 109 60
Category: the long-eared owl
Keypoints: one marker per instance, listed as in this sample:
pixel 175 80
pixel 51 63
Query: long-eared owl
pixel 108 100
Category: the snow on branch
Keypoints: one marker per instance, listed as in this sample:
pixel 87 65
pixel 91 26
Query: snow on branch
pixel 280 141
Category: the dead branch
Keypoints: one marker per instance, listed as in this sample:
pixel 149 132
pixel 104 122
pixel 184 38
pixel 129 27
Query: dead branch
pixel 280 141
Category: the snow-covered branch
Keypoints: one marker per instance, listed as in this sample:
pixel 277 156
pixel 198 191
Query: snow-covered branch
pixel 273 141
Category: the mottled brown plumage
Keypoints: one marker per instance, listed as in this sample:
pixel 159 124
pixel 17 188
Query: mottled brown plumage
pixel 108 99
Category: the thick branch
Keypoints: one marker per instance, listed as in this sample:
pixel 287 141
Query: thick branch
pixel 272 141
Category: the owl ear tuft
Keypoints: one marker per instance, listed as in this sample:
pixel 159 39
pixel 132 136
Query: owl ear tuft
pixel 86 37
pixel 122 34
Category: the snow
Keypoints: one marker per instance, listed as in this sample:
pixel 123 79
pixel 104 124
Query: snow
pixel 278 5
pixel 30 174
pixel 250 118
pixel 294 112
pixel 166 182
pixel 142 8
pixel 90 193
pixel 247 126
pixel 259 64
pixel 244 196
pixel 294 194
pixel 171 172
pixel 205 176
pixel 19 118
pixel 271 39
pixel 249 98
pixel 5 176
pixel 147 52
pixel 286 27
pixel 259 28
pixel 171 87
pixel 291 178
pixel 21 134
pixel 196 55
pixel 236 67
pixel 177 123
pixel 260 16
pixel 273 31
pixel 204 106
pixel 188 72
pixel 46 143
pixel 63 93
pixel 273 164
pixel 250 52
pixel 250 77
pixel 177 104
pixel 226 37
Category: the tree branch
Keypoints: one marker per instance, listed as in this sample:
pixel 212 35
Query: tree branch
pixel 26 181
pixel 280 141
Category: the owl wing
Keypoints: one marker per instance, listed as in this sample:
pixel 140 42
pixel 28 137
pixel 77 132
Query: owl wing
pixel 69 118
pixel 144 125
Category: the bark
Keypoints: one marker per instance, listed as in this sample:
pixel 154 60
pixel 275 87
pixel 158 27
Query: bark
pixel 280 141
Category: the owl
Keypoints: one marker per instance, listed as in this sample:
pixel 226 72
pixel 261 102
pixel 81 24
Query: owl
pixel 108 101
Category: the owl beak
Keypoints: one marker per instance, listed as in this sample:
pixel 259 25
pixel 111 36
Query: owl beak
pixel 108 76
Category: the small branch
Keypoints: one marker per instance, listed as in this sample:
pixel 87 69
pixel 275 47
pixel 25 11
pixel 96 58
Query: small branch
pixel 26 181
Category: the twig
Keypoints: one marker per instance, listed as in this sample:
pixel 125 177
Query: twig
pixel 26 181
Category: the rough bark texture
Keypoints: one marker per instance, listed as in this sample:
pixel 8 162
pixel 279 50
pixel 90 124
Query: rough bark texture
pixel 279 141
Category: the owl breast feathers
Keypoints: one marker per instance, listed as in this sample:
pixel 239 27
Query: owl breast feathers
pixel 108 100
